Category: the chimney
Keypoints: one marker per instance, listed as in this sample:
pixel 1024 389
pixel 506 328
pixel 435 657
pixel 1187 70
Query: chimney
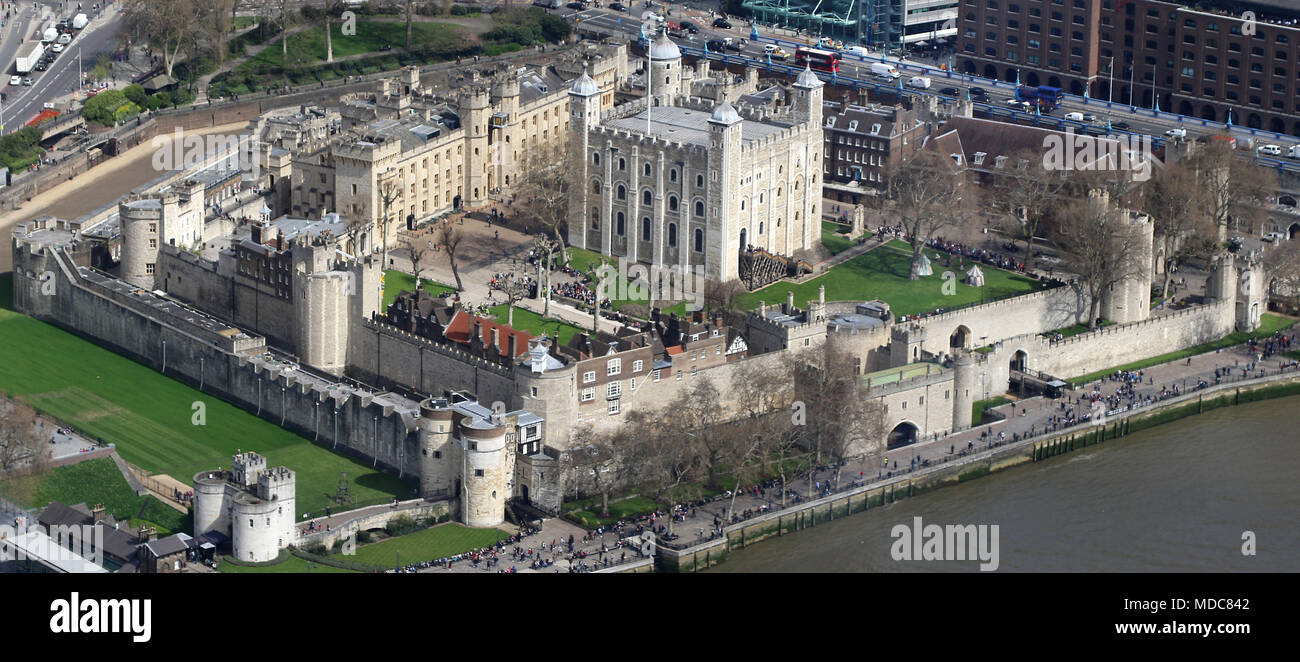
pixel 496 340
pixel 697 316
pixel 279 241
pixel 513 343
pixel 821 294
pixel 789 302
pixel 762 308
pixel 478 331
pixel 257 233
pixel 97 513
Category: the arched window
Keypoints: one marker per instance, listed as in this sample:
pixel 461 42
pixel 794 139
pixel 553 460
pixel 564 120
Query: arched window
pixel 699 208
pixel 672 234
pixel 646 170
pixel 646 198
pixel 645 228
pixel 595 218
pixel 699 181
pixel 672 203
pixel 760 198
pixel 699 240
pixel 796 185
pixel 595 158
pixel 621 192
pixel 618 223
pixel 595 186
pixel 760 227
pixel 622 164
pixel 778 192
pixel 672 175
pixel 742 204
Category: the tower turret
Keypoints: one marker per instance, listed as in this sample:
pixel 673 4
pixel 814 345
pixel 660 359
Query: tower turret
pixel 439 456
pixel 584 114
pixel 722 252
pixel 665 82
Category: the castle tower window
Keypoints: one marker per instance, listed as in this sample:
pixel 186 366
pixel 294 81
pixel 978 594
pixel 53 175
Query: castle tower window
pixel 699 181
pixel 595 186
pixel 645 228
pixel 672 234
pixel 621 192
pixel 672 203
pixel 595 158
pixel 699 240
pixel 699 208
pixel 622 164
pixel 672 175
pixel 645 170
pixel 619 224
pixel 647 198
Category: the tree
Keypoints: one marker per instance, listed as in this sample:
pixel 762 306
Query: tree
pixel 542 201
pixel 168 25
pixel 19 444
pixel 409 8
pixel 418 252
pixel 1093 235
pixel 1177 205
pixel 597 463
pixel 450 237
pixel 545 246
pixel 926 194
pixel 514 289
pixel 1025 198
pixel 1282 266
pixel 329 38
pixel 663 458
pixel 217 18
pixel 698 411
pixel 841 420
pixel 720 300
pixel 1235 187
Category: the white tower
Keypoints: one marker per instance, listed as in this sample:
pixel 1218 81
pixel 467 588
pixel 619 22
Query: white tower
pixel 665 81
pixel 584 203
pixel 723 242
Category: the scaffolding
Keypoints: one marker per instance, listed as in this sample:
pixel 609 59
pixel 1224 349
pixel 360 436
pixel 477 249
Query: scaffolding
pixel 838 19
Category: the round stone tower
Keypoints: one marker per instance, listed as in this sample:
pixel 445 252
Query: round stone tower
pixel 665 70
pixel 322 307
pixel 963 389
pixel 438 454
pixel 486 473
pixel 210 502
pixel 141 221
pixel 255 528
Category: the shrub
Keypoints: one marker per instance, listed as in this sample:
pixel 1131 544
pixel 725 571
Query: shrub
pixel 363 537
pixel 136 94
pixel 103 108
pixel 401 525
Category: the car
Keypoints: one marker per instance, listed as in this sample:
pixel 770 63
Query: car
pixel 1176 133
pixel 65 39
pixel 1074 117
pixel 721 23
pixel 1017 103
pixel 950 92
pixel 15 80
pixel 1089 117
pixel 1122 126
pixel 689 27
pixel 776 52
pixel 41 66
pixel 576 5
pixel 617 6
pixel 1270 150
pixel 57 48
pixel 978 92
pixel 734 45
pixel 27 81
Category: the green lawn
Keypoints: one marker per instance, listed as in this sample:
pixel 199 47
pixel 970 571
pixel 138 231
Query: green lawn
pixel 582 259
pixel 396 282
pixel 1267 325
pixel 106 395
pixel 308 46
pixel 438 542
pixel 833 243
pixel 291 564
pixel 99 481
pixel 589 517
pixel 977 409
pixel 534 323
pixel 882 273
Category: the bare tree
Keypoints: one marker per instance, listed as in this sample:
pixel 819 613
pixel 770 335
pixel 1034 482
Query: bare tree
pixel 1094 235
pixel 390 191
pixel 720 299
pixel 410 6
pixel 1025 198
pixel 666 460
pixel 217 18
pixel 1235 187
pixel 545 246
pixel 542 202
pixel 168 25
pixel 418 253
pixel 699 414
pixel 925 195
pixel 840 419
pixel 450 237
pixel 514 289
pixel 596 462
pixel 1177 204
pixel 20 447
pixel 329 37
pixel 1282 266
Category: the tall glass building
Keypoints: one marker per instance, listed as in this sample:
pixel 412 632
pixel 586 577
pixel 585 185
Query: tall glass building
pixel 876 23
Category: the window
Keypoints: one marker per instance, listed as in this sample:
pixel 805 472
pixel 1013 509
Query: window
pixel 637 365
pixel 589 377
pixel 657 375
pixel 672 234
pixel 595 186
pixel 672 203
pixel 478 473
pixel 612 408
pixel 622 164
pixel 699 181
pixel 647 198
pixel 646 169
pixel 672 175
pixel 588 394
pixel 620 192
pixel 614 367
pixel 699 208
pixel 618 222
pixel 595 158
pixel 699 240
pixel 645 228
pixel 614 389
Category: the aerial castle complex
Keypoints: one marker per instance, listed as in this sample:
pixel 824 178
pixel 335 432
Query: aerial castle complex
pixel 283 315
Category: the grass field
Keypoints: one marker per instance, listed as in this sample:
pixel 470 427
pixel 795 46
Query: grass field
pixel 435 543
pixel 583 259
pixel 292 564
pixel 589 515
pixel 97 481
pixel 835 244
pixel 882 273
pixel 534 323
pixel 396 282
pixel 977 409
pixel 1268 323
pixel 308 46
pixel 148 416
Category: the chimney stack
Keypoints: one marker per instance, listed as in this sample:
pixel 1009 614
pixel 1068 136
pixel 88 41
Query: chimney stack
pixel 789 302
pixel 257 233
pixel 478 331
pixel 279 241
pixel 496 340
pixel 512 342
pixel 97 513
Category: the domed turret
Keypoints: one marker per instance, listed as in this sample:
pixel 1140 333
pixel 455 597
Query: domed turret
pixel 725 114
pixel 664 49
pixel 585 86
pixel 808 79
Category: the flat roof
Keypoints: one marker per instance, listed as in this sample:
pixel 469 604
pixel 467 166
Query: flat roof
pixel 688 125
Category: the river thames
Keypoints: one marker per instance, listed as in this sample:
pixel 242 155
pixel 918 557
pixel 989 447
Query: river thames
pixel 1176 498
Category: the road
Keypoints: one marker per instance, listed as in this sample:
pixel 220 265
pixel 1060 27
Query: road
pixel 24 103
pixel 1139 121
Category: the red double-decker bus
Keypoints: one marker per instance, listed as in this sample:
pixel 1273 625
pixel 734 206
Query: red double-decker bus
pixel 821 60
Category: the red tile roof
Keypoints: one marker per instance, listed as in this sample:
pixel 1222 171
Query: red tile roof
pixel 460 330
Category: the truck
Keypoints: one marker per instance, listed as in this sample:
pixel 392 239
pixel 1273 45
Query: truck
pixel 1294 152
pixel 50 32
pixel 79 21
pixel 884 70
pixel 29 54
pixel 919 82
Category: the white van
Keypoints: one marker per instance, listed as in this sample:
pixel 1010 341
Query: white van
pixel 1074 117
pixel 1294 152
pixel 884 70
pixel 919 82
pixel 859 50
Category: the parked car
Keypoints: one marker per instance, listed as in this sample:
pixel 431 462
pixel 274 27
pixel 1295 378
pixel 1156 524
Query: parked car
pixel 57 48
pixel 950 92
pixel 689 27
pixel 1018 104
pixel 978 92
pixel 721 23
pixel 617 6
pixel 576 5
pixel 1275 236
pixel 1270 150
pixel 28 81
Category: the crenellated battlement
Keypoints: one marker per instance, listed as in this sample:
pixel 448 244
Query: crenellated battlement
pixel 444 349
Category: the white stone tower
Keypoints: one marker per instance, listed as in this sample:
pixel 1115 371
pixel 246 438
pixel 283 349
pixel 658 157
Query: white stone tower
pixel 439 456
pixel 488 471
pixel 723 242
pixel 584 113
pixel 808 98
pixel 665 71
pixel 963 387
